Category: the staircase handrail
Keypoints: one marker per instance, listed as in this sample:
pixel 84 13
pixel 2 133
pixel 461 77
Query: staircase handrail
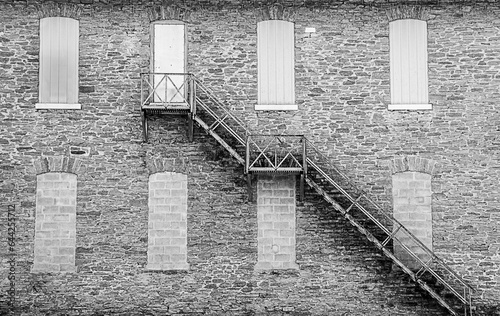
pixel 425 266
pixel 389 217
pixel 221 106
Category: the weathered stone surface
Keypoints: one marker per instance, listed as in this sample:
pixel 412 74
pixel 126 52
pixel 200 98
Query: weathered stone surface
pixel 342 87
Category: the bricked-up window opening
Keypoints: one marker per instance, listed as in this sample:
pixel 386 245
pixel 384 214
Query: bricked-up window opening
pixel 55 222
pixel 167 223
pixel 58 73
pixel 276 60
pixel 412 193
pixel 276 222
pixel 408 54
pixel 168 56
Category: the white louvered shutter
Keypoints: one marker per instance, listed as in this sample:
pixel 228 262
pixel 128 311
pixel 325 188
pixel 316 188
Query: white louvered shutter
pixel 408 54
pixel 59 61
pixel 276 73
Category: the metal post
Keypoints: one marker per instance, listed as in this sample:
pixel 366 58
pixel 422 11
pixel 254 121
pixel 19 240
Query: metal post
pixel 192 104
pixel 249 187
pixel 142 90
pixel 303 175
pixel 247 169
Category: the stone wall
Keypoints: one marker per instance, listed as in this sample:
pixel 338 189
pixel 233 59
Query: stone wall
pixel 342 86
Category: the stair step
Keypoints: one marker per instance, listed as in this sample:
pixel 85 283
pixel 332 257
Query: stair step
pixel 354 222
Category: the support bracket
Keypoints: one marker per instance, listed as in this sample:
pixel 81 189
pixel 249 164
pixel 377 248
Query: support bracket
pixel 145 126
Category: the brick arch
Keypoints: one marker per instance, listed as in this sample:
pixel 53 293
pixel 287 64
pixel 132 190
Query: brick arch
pixel 57 164
pixel 276 11
pixel 402 12
pixel 65 10
pixel 413 163
pixel 168 12
pixel 177 165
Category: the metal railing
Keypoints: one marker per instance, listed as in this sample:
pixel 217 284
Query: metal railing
pixel 166 91
pixel 423 260
pixel 286 153
pixel 295 153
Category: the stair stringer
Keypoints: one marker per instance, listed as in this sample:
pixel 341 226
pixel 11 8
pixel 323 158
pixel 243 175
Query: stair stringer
pixel 221 121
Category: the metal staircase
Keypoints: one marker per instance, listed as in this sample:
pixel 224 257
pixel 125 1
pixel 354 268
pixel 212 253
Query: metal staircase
pixel 297 155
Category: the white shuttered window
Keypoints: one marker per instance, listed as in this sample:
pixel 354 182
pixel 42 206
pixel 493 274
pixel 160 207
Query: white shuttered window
pixel 408 53
pixel 58 63
pixel 276 73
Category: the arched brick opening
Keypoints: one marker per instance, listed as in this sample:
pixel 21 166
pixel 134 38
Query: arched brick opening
pixel 55 219
pixel 412 204
pixel 167 219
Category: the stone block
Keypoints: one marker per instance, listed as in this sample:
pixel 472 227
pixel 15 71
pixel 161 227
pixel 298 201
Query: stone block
pixel 50 176
pixel 62 185
pixel 52 242
pixel 178 258
pixel 265 193
pixel 71 210
pixel 156 201
pixel 175 201
pixel 266 257
pixel 280 241
pixel 157 217
pixel 179 192
pixel 178 241
pixel 47 201
pixel 279 209
pixel 172 250
pixel 67 267
pixel 401 200
pixel 161 241
pixel 154 185
pixel 282 257
pixel 162 192
pixel 287 233
pixel 270 233
pixel 283 225
pixel 159 225
pixel 270 201
pixel 173 217
pixel 289 201
pixel 182 208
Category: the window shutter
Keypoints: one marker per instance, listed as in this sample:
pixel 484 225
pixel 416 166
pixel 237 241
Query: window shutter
pixel 276 73
pixel 59 60
pixel 408 54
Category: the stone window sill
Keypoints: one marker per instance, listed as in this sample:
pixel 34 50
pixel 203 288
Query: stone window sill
pixel 276 107
pixel 410 107
pixel 58 106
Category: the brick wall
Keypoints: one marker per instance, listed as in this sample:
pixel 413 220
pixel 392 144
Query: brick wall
pixel 411 193
pixel 342 89
pixel 55 223
pixel 167 223
pixel 276 223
